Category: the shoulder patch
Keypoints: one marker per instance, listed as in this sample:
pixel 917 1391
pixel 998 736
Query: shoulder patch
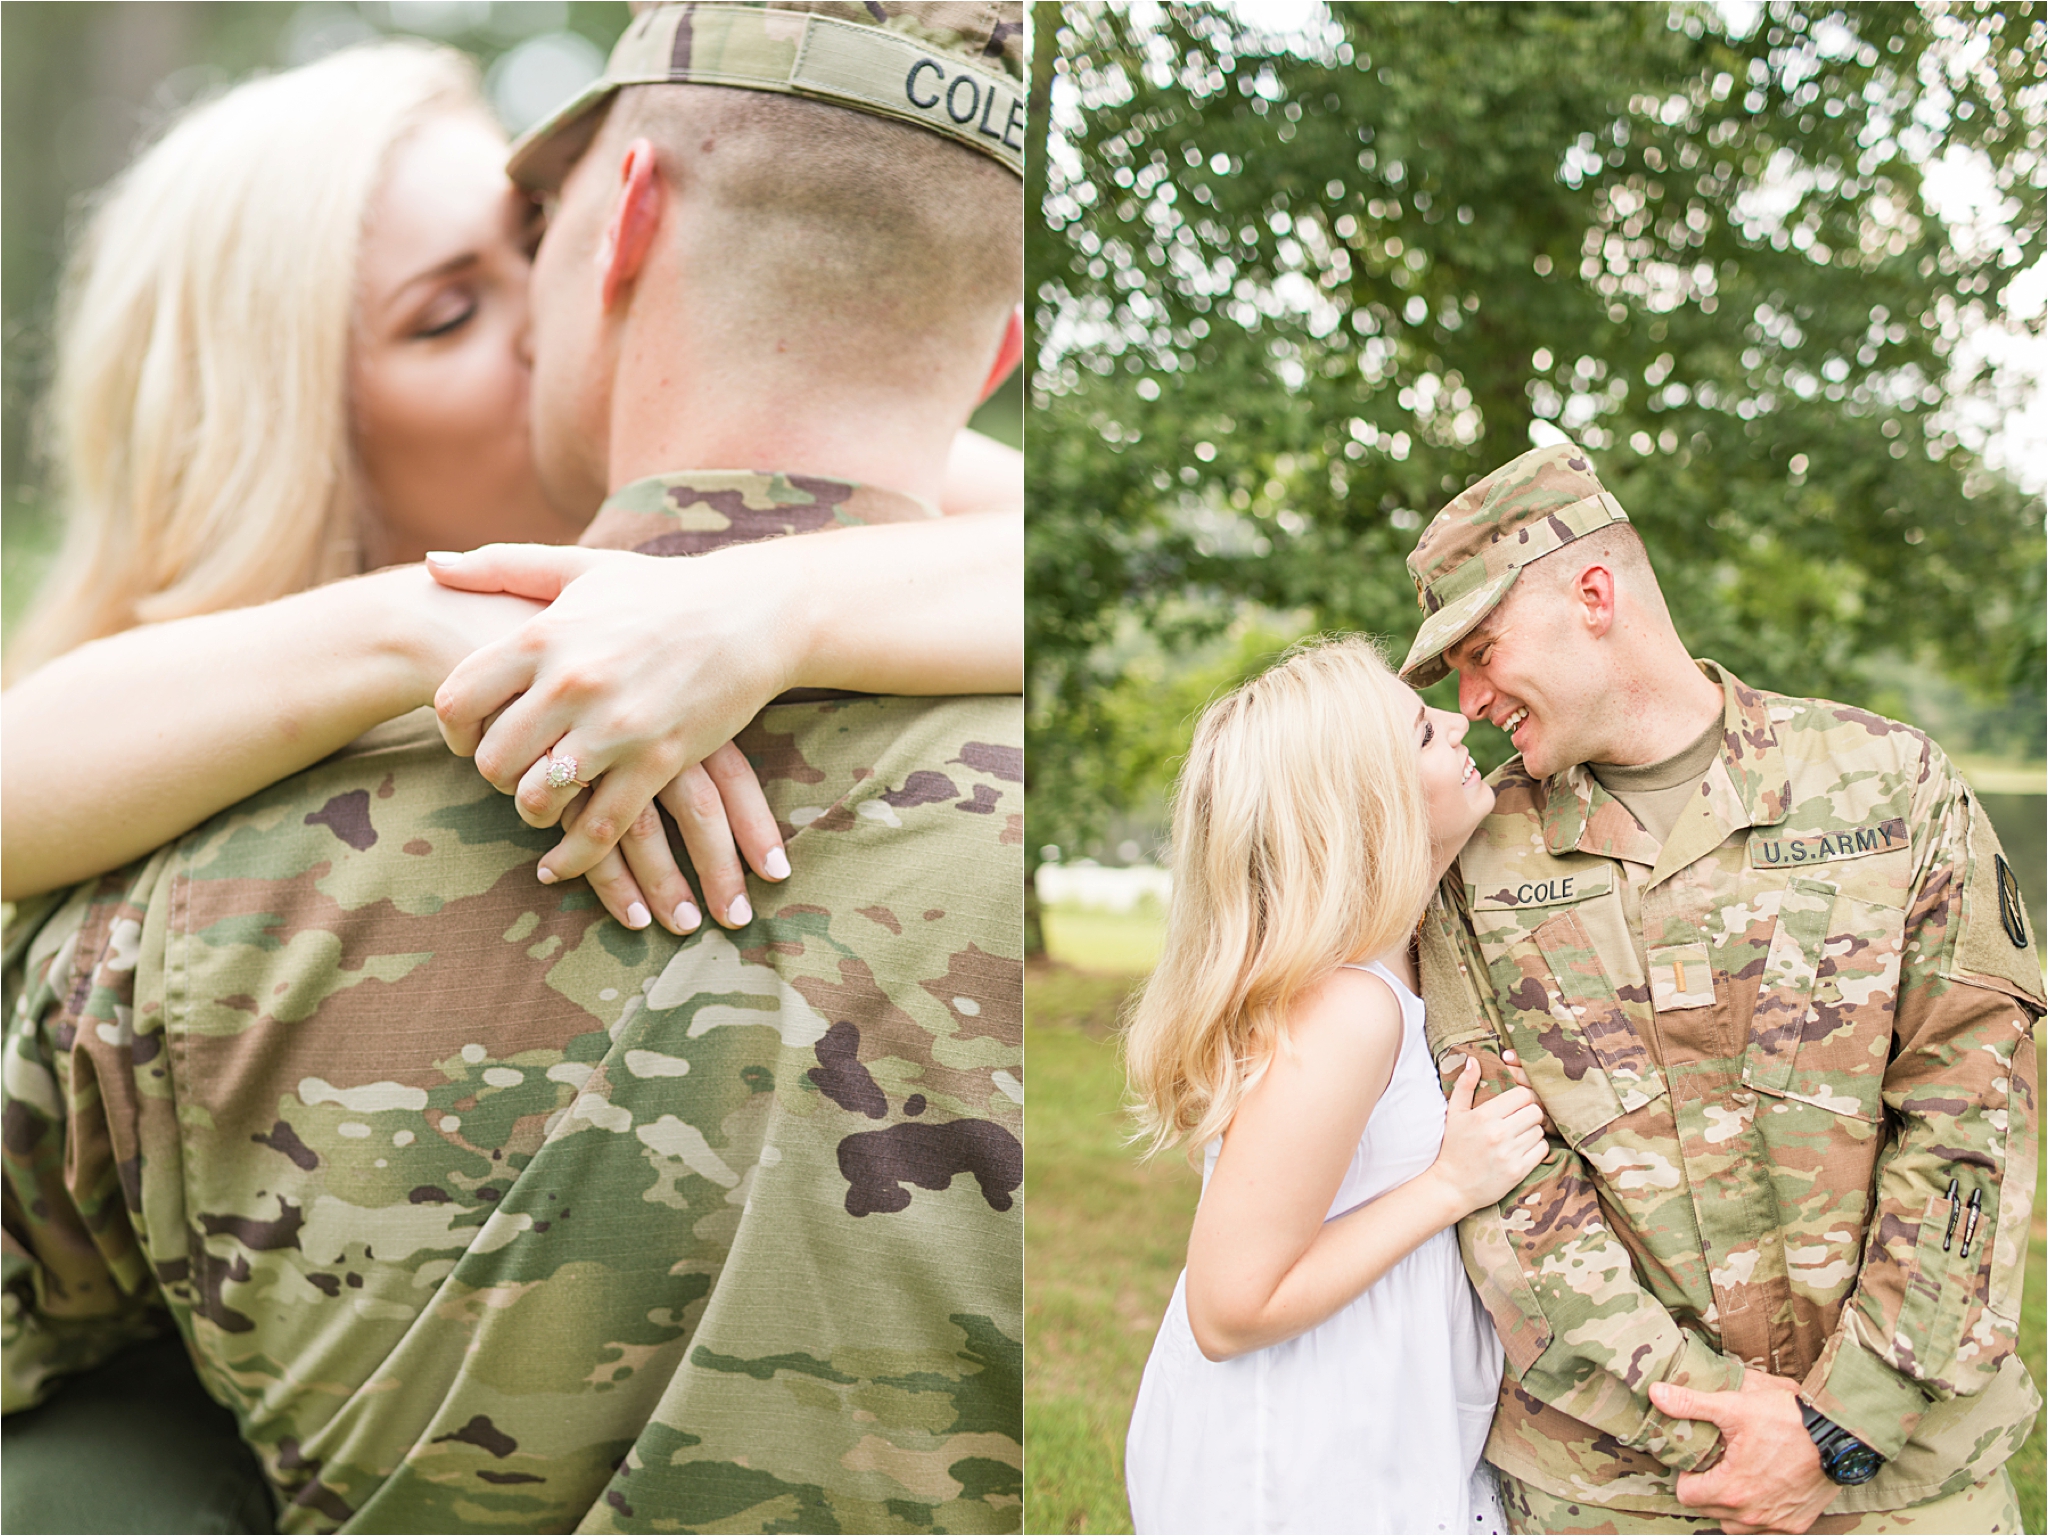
pixel 1994 944
pixel 2012 909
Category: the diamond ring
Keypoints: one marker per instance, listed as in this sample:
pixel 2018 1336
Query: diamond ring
pixel 561 770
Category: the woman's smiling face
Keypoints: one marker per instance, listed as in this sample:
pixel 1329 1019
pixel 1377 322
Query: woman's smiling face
pixel 1456 797
pixel 439 361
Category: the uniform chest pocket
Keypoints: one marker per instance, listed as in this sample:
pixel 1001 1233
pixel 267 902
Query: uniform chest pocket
pixel 1822 1031
pixel 1585 1056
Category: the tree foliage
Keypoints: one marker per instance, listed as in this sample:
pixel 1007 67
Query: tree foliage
pixel 1291 295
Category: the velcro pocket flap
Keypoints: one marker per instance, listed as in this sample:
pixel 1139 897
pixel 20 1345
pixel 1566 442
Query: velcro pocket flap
pixel 1785 993
pixel 1588 1063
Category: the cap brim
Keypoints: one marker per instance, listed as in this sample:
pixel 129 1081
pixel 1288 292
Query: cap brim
pixel 540 158
pixel 1450 624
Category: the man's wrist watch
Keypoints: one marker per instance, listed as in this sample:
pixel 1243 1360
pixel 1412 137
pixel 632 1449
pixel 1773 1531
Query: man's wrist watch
pixel 1846 1460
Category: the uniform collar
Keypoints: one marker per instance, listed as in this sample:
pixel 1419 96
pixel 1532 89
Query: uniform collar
pixel 692 512
pixel 1747 786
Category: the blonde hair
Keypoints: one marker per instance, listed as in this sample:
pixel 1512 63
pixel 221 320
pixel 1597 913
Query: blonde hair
pixel 198 421
pixel 1300 841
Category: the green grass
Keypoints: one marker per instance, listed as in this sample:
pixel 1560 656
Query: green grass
pixel 1104 1238
pixel 1112 943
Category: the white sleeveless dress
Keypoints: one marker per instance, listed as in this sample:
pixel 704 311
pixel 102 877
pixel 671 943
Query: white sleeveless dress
pixel 1374 1419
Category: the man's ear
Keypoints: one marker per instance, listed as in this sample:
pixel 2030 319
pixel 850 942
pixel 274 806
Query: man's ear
pixel 1008 356
pixel 636 215
pixel 1595 592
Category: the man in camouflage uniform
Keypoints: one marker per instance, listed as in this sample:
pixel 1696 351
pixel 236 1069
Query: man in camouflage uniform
pixel 1777 992
pixel 481 1211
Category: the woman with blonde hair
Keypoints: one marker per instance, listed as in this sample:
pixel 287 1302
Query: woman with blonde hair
pixel 1323 1365
pixel 292 349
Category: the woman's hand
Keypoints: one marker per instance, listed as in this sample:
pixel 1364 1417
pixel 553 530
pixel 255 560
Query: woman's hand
pixel 717 804
pixel 1521 1075
pixel 718 807
pixel 447 624
pixel 1488 1149
pixel 634 681
pixel 1453 1065
pixel 642 668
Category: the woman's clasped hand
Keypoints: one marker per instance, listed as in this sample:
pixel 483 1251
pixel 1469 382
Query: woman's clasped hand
pixel 616 701
pixel 1488 1147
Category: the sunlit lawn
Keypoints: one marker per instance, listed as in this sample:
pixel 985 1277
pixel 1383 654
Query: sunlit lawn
pixel 1106 1236
pixel 1110 943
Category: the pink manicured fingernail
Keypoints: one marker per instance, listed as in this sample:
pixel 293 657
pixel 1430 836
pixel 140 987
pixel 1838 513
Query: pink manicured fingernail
pixel 739 914
pixel 545 876
pixel 637 916
pixel 776 864
pixel 444 558
pixel 687 916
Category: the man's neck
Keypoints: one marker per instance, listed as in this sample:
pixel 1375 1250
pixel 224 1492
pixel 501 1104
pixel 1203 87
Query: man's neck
pixel 1660 707
pixel 679 405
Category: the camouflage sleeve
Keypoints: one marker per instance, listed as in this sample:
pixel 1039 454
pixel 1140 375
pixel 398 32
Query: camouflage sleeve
pixel 76 1285
pixel 1935 1309
pixel 1581 1334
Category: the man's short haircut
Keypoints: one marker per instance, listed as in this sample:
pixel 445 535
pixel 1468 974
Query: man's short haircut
pixel 883 221
pixel 1618 547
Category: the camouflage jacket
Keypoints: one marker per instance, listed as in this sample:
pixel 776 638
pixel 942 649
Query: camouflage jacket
pixel 1768 1045
pixel 483 1212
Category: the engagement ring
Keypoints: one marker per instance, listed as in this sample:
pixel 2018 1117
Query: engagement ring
pixel 561 771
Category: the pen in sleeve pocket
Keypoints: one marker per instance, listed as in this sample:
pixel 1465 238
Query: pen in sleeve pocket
pixel 1970 1226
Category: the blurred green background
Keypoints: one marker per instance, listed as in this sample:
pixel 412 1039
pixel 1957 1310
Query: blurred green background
pixel 1300 273
pixel 82 85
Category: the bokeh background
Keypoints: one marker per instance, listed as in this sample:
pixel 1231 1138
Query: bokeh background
pixel 82 85
pixel 1301 272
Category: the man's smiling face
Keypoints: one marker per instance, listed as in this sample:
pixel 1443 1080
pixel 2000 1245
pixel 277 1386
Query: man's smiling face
pixel 1529 668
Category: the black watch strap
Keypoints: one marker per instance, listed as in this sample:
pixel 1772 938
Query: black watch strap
pixel 1846 1460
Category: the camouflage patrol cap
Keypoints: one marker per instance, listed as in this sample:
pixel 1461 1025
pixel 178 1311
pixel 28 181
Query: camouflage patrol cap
pixel 1471 553
pixel 953 66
